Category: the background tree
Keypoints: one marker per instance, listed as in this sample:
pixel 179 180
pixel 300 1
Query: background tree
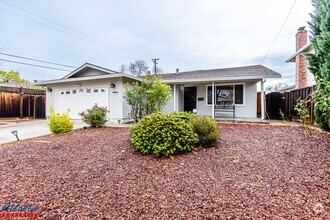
pixel 138 68
pixel 158 69
pixel 319 61
pixel 147 97
pixel 123 68
pixel 277 87
pixel 13 78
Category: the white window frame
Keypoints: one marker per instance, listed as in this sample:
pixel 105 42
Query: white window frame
pixel 227 84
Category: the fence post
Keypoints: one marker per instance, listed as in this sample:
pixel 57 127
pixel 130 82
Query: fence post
pixel 34 106
pixel 21 103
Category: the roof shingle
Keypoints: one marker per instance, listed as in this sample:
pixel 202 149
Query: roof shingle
pixel 245 71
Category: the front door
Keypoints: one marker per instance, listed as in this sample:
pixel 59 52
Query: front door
pixel 190 94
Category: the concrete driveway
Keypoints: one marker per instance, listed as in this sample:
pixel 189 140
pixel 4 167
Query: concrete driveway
pixel 28 129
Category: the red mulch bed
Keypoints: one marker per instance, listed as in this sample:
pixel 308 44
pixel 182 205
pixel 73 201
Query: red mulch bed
pixel 255 172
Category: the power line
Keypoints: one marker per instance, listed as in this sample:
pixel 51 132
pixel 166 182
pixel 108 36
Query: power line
pixel 37 60
pixel 270 48
pixel 30 64
pixel 78 34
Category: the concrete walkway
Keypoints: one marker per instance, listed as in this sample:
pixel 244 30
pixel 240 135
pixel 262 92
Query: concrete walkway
pixel 27 129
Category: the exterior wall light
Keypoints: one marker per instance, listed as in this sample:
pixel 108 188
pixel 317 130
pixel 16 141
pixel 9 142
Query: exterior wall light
pixel 49 90
pixel 112 85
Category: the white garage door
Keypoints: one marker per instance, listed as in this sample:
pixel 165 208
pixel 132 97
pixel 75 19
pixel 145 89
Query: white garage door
pixel 79 99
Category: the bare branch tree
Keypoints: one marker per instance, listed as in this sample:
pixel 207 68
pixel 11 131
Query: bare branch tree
pixel 277 87
pixel 138 68
pixel 159 70
pixel 123 68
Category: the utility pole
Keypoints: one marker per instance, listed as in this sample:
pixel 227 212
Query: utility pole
pixel 155 64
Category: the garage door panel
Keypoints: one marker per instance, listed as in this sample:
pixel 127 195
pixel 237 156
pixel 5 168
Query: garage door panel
pixel 80 99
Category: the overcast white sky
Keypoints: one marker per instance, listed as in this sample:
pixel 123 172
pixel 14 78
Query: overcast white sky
pixel 190 35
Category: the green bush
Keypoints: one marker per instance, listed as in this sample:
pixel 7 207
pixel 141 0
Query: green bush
pixel 59 123
pixel 147 97
pixel 184 115
pixel 206 129
pixel 163 135
pixel 95 117
pixel 322 105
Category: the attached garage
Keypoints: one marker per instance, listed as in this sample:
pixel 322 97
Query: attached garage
pixel 86 86
pixel 80 99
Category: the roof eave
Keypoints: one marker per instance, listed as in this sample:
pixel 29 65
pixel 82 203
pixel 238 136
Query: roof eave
pixel 77 79
pixel 90 66
pixel 221 79
pixel 301 50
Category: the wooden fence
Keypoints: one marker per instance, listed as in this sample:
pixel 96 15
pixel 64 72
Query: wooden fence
pixel 291 99
pixel 281 104
pixel 22 102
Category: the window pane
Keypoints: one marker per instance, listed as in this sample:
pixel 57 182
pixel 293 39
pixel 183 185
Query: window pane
pixel 209 95
pixel 238 94
pixel 224 95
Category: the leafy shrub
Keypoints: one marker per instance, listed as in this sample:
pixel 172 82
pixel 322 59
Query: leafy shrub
pixel 206 129
pixel 147 97
pixel 95 117
pixel 322 105
pixel 303 110
pixel 184 115
pixel 163 135
pixel 59 123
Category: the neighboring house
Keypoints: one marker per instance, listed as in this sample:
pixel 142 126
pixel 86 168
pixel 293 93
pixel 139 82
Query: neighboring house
pixel 91 84
pixel 304 77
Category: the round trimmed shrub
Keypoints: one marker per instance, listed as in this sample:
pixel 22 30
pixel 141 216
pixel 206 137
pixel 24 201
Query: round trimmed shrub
pixel 206 129
pixel 163 135
pixel 59 123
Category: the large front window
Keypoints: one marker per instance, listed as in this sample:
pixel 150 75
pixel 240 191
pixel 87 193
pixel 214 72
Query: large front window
pixel 226 94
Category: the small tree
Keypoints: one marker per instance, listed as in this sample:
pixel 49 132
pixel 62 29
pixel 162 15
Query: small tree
pixel 303 109
pixel 319 61
pixel 147 97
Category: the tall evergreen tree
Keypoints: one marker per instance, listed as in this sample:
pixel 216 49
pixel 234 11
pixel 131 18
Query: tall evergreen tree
pixel 319 61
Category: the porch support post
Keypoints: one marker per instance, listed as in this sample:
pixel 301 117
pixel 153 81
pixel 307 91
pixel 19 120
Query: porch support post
pixel 262 99
pixel 213 97
pixel 174 97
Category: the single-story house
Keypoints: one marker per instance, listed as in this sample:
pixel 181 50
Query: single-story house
pixel 234 91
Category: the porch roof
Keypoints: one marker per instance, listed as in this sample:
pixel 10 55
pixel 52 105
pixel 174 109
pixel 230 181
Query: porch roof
pixel 255 72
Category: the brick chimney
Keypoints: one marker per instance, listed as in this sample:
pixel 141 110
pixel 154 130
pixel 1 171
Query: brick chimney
pixel 301 68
